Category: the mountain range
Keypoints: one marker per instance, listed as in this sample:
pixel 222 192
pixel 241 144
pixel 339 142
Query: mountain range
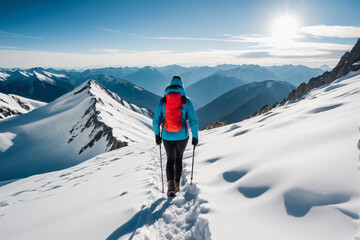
pixel 241 102
pixel 48 84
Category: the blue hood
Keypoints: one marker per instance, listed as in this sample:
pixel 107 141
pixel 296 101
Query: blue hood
pixel 176 85
pixel 177 81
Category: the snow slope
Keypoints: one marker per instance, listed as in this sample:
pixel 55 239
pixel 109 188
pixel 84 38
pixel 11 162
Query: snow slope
pixel 77 126
pixel 290 174
pixel 12 105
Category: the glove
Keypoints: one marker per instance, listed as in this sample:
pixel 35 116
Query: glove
pixel 195 141
pixel 158 139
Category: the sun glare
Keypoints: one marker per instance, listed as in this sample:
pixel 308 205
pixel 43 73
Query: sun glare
pixel 285 28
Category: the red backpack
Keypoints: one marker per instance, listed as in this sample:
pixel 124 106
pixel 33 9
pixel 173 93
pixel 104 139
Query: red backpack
pixel 173 102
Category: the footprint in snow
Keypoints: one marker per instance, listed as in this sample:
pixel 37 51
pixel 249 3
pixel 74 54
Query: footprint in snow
pixel 298 202
pixel 233 176
pixel 253 192
pixel 324 109
pixel 241 133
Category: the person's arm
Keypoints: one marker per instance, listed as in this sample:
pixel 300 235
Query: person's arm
pixel 192 120
pixel 157 119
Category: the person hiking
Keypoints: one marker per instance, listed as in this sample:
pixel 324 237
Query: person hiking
pixel 172 112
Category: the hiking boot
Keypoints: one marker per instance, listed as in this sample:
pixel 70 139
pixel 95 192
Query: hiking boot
pixel 171 188
pixel 177 186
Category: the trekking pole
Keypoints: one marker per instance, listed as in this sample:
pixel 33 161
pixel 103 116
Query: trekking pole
pixel 162 178
pixel 192 166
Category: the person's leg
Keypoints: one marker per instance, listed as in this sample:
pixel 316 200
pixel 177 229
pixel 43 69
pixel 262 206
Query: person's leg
pixel 170 148
pixel 180 148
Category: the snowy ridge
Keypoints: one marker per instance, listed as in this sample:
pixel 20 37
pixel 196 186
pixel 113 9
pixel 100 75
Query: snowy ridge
pixel 77 126
pixel 49 74
pixel 44 78
pixel 3 76
pixel 12 105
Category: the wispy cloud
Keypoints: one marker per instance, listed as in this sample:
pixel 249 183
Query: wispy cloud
pixel 331 31
pixel 185 38
pixel 108 30
pixel 11 34
pixel 7 47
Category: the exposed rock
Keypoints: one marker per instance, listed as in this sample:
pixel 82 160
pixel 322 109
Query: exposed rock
pixel 275 105
pixel 345 65
pixel 264 109
pixel 215 124
pixel 348 62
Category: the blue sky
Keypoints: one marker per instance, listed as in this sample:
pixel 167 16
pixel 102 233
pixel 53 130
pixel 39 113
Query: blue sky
pixel 72 34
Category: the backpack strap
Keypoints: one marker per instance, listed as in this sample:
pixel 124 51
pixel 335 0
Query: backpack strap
pixel 183 100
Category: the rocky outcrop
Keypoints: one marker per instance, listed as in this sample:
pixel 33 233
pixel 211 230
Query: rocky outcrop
pixel 350 61
pixel 346 64
pixel 215 124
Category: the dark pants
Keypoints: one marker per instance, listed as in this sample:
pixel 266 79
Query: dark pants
pixel 174 152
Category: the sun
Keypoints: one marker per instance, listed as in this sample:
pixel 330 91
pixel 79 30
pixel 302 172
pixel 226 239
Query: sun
pixel 285 28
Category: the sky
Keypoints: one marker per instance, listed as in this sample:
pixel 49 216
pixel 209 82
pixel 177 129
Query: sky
pixel 88 33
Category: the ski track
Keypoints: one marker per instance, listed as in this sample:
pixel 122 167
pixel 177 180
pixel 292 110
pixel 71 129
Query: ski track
pixel 181 217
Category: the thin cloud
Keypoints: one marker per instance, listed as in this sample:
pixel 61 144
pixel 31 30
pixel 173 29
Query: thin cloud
pixel 184 38
pixel 11 34
pixel 331 31
pixel 7 47
pixel 108 30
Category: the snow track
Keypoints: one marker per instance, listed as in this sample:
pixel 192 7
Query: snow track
pixel 165 217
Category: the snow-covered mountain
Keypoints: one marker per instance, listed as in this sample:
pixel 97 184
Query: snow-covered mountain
pixel 290 174
pixel 128 91
pixel 37 83
pixel 77 126
pixel 12 105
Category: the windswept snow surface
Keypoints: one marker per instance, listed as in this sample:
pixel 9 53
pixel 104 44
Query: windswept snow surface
pixel 290 174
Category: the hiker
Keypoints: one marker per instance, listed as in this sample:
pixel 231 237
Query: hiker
pixel 172 112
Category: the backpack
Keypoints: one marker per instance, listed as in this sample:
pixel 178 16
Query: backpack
pixel 173 102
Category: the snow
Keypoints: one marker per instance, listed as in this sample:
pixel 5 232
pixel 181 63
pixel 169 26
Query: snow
pixel 49 74
pixel 292 173
pixel 6 140
pixel 25 73
pixel 16 103
pixel 357 63
pixel 44 78
pixel 139 88
pixel 3 76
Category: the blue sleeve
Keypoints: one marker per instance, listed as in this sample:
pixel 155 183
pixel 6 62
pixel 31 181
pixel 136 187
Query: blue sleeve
pixel 192 119
pixel 158 118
